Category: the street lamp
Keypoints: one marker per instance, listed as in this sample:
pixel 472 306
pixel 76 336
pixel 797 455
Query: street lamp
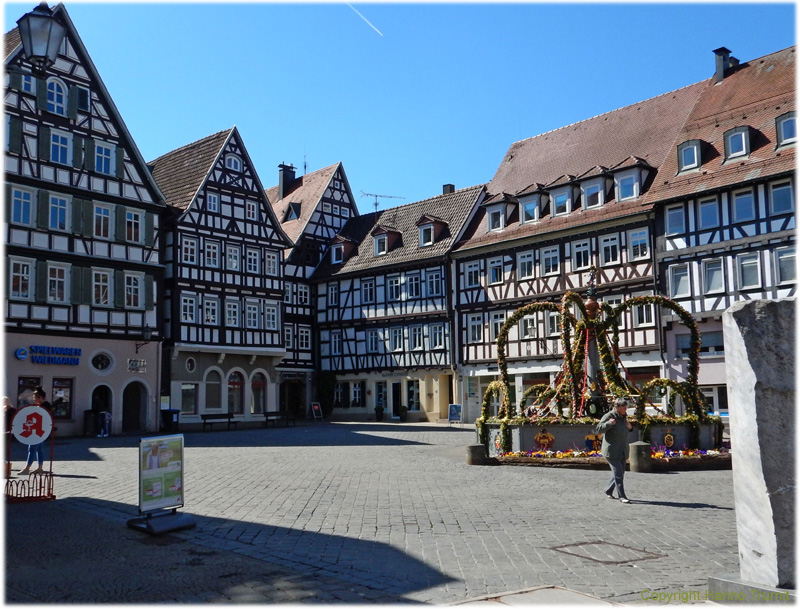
pixel 42 36
pixel 147 334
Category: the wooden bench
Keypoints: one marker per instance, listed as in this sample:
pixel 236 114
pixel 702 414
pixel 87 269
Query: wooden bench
pixel 276 417
pixel 210 419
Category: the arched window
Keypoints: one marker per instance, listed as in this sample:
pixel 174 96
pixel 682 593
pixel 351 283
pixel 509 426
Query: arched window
pixel 213 390
pixel 258 395
pixel 56 97
pixel 233 162
pixel 236 393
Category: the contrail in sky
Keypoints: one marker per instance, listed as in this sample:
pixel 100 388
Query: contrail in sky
pixel 364 18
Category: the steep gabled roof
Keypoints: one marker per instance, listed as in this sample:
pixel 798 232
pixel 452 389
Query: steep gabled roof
pixel 753 94
pixel 307 191
pixel 453 209
pixel 181 173
pixel 11 41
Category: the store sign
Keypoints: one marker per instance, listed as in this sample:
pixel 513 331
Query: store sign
pixel 137 365
pixel 41 354
pixel 32 425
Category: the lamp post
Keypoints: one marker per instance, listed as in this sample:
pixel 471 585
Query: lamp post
pixel 41 35
pixel 147 334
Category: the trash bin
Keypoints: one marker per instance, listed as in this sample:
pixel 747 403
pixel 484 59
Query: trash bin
pixel 89 423
pixel 169 420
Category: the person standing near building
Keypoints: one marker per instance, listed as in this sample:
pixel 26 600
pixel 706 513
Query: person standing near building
pixel 615 427
pixel 36 451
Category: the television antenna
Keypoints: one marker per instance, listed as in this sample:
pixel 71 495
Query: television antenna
pixel 372 194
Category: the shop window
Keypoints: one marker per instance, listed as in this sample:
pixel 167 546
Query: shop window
pixel 258 396
pixel 189 398
pixel 235 393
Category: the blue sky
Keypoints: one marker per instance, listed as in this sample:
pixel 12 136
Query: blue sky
pixel 436 95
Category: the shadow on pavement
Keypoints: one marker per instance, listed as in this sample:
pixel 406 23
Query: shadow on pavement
pixel 702 506
pixel 80 550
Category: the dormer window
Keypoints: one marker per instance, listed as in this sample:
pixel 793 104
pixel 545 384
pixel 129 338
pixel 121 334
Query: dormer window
pixel 337 254
pixel 233 162
pixel 689 155
pixel 737 143
pixel 381 245
pixel 627 185
pixel 426 235
pixel 561 201
pixel 592 193
pixel 496 221
pixel 529 210
pixel 787 129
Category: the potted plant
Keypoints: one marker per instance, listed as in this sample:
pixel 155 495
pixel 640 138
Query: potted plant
pixel 403 413
pixel 379 412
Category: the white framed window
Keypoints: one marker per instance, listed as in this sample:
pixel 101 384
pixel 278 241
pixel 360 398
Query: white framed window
pixel 28 83
pixel 211 311
pixel 337 254
pixel 21 272
pixel 61 147
pixel 333 295
pixel 550 261
pixel 581 255
pixel 473 274
pixel 415 338
pixel 251 210
pixel 592 193
pixel 785 269
pixel 21 207
pixel 495 219
pixel 426 235
pixel 626 184
pixel 530 211
pixel 786 128
pixel 336 343
pixel 689 155
pixel 212 202
pixel 498 319
pixel 561 201
pixel 56 97
pixel 708 213
pixel 609 250
pixel 212 254
pixel 396 339
pixel 373 341
pixel 104 158
pixel 288 337
pixel 287 292
pixel 781 198
pixel 57 283
pixel 101 287
pixel 737 143
pixel 679 281
pixel 475 328
pixel 233 256
pixel 642 315
pixel 524 266
pixel 270 263
pixel 527 327
pixel 345 212
pixel 744 207
pixel 368 291
pixel 102 221
pixel 381 245
pixel 304 338
pixel 335 209
pixel 188 309
pixel 271 318
pixel 393 288
pixel 638 243
pixel 134 291
pixel 748 271
pixel 134 229
pixel 495 270
pixel 434 283
pixel 58 213
pixel 253 262
pixel 413 286
pixel 713 278
pixel 676 220
pixel 303 294
pixel 232 310
pixel 553 321
pixel 189 250
pixel 326 207
pixel 233 162
pixel 613 301
pixel 436 337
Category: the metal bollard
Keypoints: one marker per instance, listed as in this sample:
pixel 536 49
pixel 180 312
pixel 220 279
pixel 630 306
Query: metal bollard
pixel 476 454
pixel 640 457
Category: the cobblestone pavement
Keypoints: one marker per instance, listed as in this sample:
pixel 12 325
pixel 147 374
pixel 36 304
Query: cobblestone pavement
pixel 361 513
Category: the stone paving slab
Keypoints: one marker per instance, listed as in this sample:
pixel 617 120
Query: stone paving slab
pixel 364 513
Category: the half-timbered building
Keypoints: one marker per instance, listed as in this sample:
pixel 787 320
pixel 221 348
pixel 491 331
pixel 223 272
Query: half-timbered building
pixel 383 306
pixel 82 236
pixel 224 287
pixel 560 205
pixel 726 217
pixel 311 209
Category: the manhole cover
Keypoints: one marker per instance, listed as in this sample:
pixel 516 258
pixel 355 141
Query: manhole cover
pixel 605 552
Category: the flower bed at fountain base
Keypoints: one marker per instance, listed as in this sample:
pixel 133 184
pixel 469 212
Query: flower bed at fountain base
pixel 662 461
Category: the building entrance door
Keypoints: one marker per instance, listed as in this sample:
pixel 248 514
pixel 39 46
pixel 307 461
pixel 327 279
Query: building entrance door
pixel 397 397
pixel 134 408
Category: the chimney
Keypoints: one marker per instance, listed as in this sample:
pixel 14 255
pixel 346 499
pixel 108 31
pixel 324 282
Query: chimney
pixel 285 179
pixel 448 189
pixel 722 63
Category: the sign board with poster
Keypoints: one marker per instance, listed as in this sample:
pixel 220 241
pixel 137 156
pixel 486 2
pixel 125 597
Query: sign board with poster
pixel 454 414
pixel 316 410
pixel 160 473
